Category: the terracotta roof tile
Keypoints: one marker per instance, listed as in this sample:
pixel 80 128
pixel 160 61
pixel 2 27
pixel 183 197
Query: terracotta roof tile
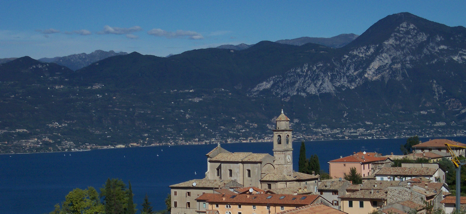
pixel 411 205
pixel 361 157
pixel 259 199
pixel 247 189
pixel 452 200
pixel 291 190
pixel 381 185
pixel 392 210
pixel 366 194
pixel 411 171
pixel 313 208
pixel 437 143
pixel 225 191
pixel 332 185
pixel 206 183
pixel 240 157
pixel 354 187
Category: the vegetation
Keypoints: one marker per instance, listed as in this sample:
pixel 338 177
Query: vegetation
pixel 398 162
pixel 147 208
pixel 308 166
pixel 412 141
pixel 353 176
pixel 302 163
pixel 114 198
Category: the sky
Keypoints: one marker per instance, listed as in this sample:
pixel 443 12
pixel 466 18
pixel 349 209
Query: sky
pixel 49 28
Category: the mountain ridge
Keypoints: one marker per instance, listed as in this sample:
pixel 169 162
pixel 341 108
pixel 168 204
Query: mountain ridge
pixel 408 80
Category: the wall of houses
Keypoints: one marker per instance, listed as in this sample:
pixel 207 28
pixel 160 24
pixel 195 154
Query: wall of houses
pixel 360 206
pixel 183 199
pixel 337 169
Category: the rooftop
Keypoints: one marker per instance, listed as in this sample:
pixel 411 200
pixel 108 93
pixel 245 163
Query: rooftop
pixel 409 171
pixel 332 184
pixel 240 157
pixel 437 143
pixel 259 199
pixel 361 157
pixel 366 194
pixel 313 208
pixel 452 200
pixel 206 183
pixel 380 185
pixel 411 205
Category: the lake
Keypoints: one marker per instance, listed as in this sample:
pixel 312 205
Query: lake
pixel 34 183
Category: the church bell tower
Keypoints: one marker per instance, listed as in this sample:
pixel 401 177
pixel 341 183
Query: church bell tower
pixel 283 146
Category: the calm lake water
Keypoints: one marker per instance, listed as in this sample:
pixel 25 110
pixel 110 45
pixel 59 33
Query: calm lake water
pixel 34 183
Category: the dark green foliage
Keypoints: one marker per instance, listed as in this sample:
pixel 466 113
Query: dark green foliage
pixel 80 201
pixel 131 208
pixel 353 176
pixel 324 175
pixel 168 203
pixel 115 196
pixel 398 162
pixel 147 208
pixel 302 162
pixel 407 148
pixel 313 165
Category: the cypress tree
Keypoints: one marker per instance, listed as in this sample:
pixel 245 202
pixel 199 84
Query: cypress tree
pixel 109 197
pixel 318 167
pixel 147 208
pixel 130 205
pixel 302 162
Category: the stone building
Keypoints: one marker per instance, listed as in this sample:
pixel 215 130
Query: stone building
pixel 248 169
pixel 332 189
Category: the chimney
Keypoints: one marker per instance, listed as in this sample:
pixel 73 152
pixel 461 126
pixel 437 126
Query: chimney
pixel 313 172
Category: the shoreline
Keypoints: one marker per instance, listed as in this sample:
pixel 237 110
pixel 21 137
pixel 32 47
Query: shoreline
pixel 237 142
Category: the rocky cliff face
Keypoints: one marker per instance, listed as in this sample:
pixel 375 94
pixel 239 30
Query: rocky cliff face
pixel 401 56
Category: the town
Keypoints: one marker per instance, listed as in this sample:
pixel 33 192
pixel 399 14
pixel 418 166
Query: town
pixel 361 183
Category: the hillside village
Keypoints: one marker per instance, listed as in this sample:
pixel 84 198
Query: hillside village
pixel 245 182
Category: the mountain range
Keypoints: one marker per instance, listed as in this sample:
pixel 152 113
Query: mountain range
pixel 403 76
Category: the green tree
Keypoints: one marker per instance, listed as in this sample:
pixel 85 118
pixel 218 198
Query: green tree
pixel 411 141
pixel 147 208
pixel 302 162
pixel 313 165
pixel 130 206
pixel 353 176
pixel 168 203
pixel 398 162
pixel 324 175
pixel 115 196
pixel 81 202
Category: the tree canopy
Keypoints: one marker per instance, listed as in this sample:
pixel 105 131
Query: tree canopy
pixel 353 176
pixel 407 147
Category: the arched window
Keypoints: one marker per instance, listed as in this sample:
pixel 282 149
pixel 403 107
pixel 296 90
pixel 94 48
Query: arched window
pixel 287 139
pixel 278 139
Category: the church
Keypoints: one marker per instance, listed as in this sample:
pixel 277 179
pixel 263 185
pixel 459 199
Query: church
pixel 227 170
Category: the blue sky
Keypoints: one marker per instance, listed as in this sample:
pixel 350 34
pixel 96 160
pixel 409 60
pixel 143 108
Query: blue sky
pixel 59 28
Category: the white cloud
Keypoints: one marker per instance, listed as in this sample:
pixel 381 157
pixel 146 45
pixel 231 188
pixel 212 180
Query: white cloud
pixel 82 32
pixel 131 36
pixel 119 31
pixel 219 33
pixel 176 34
pixel 48 31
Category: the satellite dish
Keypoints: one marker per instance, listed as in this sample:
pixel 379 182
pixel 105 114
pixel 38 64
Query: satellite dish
pixel 251 190
pixel 194 184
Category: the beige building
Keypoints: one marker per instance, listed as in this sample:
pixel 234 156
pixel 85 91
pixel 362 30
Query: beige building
pixel 363 162
pixel 247 169
pixel 363 201
pixel 438 146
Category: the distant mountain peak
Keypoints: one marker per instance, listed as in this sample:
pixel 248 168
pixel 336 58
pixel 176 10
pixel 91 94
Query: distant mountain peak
pixel 78 61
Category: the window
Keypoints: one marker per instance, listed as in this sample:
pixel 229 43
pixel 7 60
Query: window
pixel 254 207
pixel 228 206
pixel 363 166
pixel 175 193
pixel 269 186
pixel 218 171
pixel 269 197
pixel 187 204
pixel 344 164
pixel 287 139
pixel 350 203
pixel 230 173
pixel 278 139
pixel 239 206
pixel 334 192
pixel 204 204
pixel 374 203
pixel 248 172
pixel 239 213
pixel 282 197
pixel 188 194
pixel 175 203
pixel 361 204
pixel 282 207
pixel 267 207
pixel 335 203
pixel 217 205
pixel 321 192
pixel 228 212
